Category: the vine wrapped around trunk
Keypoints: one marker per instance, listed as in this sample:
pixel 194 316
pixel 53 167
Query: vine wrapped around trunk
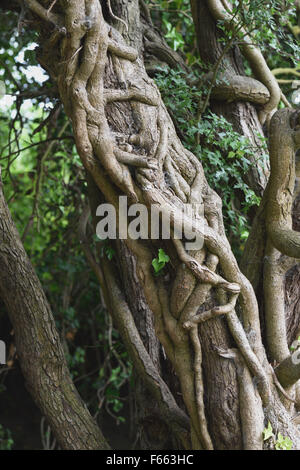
pixel 128 144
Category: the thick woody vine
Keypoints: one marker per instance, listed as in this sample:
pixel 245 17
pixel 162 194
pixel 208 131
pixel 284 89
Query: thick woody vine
pixel 95 69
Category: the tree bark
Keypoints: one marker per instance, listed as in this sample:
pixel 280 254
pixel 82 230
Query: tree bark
pixel 240 112
pixel 38 345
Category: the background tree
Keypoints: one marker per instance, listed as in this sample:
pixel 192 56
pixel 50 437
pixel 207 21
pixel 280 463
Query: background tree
pixel 199 336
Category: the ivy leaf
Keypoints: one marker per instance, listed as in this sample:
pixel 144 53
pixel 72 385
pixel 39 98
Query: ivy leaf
pixel 159 263
pixel 158 266
pixel 110 252
pixel 162 256
pixel 268 432
pixel 283 443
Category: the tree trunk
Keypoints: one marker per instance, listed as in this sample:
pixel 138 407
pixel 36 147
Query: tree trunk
pixel 236 108
pixel 203 309
pixel 38 345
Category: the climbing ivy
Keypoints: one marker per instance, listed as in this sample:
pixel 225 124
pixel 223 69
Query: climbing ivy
pixel 281 442
pixel 224 153
pixel 160 262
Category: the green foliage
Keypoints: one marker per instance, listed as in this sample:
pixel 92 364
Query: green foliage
pixel 75 359
pixel 270 24
pixel 160 262
pixel 295 344
pixel 173 36
pixel 174 18
pixel 281 443
pixel 107 249
pixel 98 360
pixel 110 386
pixel 223 152
pixel 6 441
pixel 268 432
pixel 118 376
pixel 51 241
pixel 267 23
